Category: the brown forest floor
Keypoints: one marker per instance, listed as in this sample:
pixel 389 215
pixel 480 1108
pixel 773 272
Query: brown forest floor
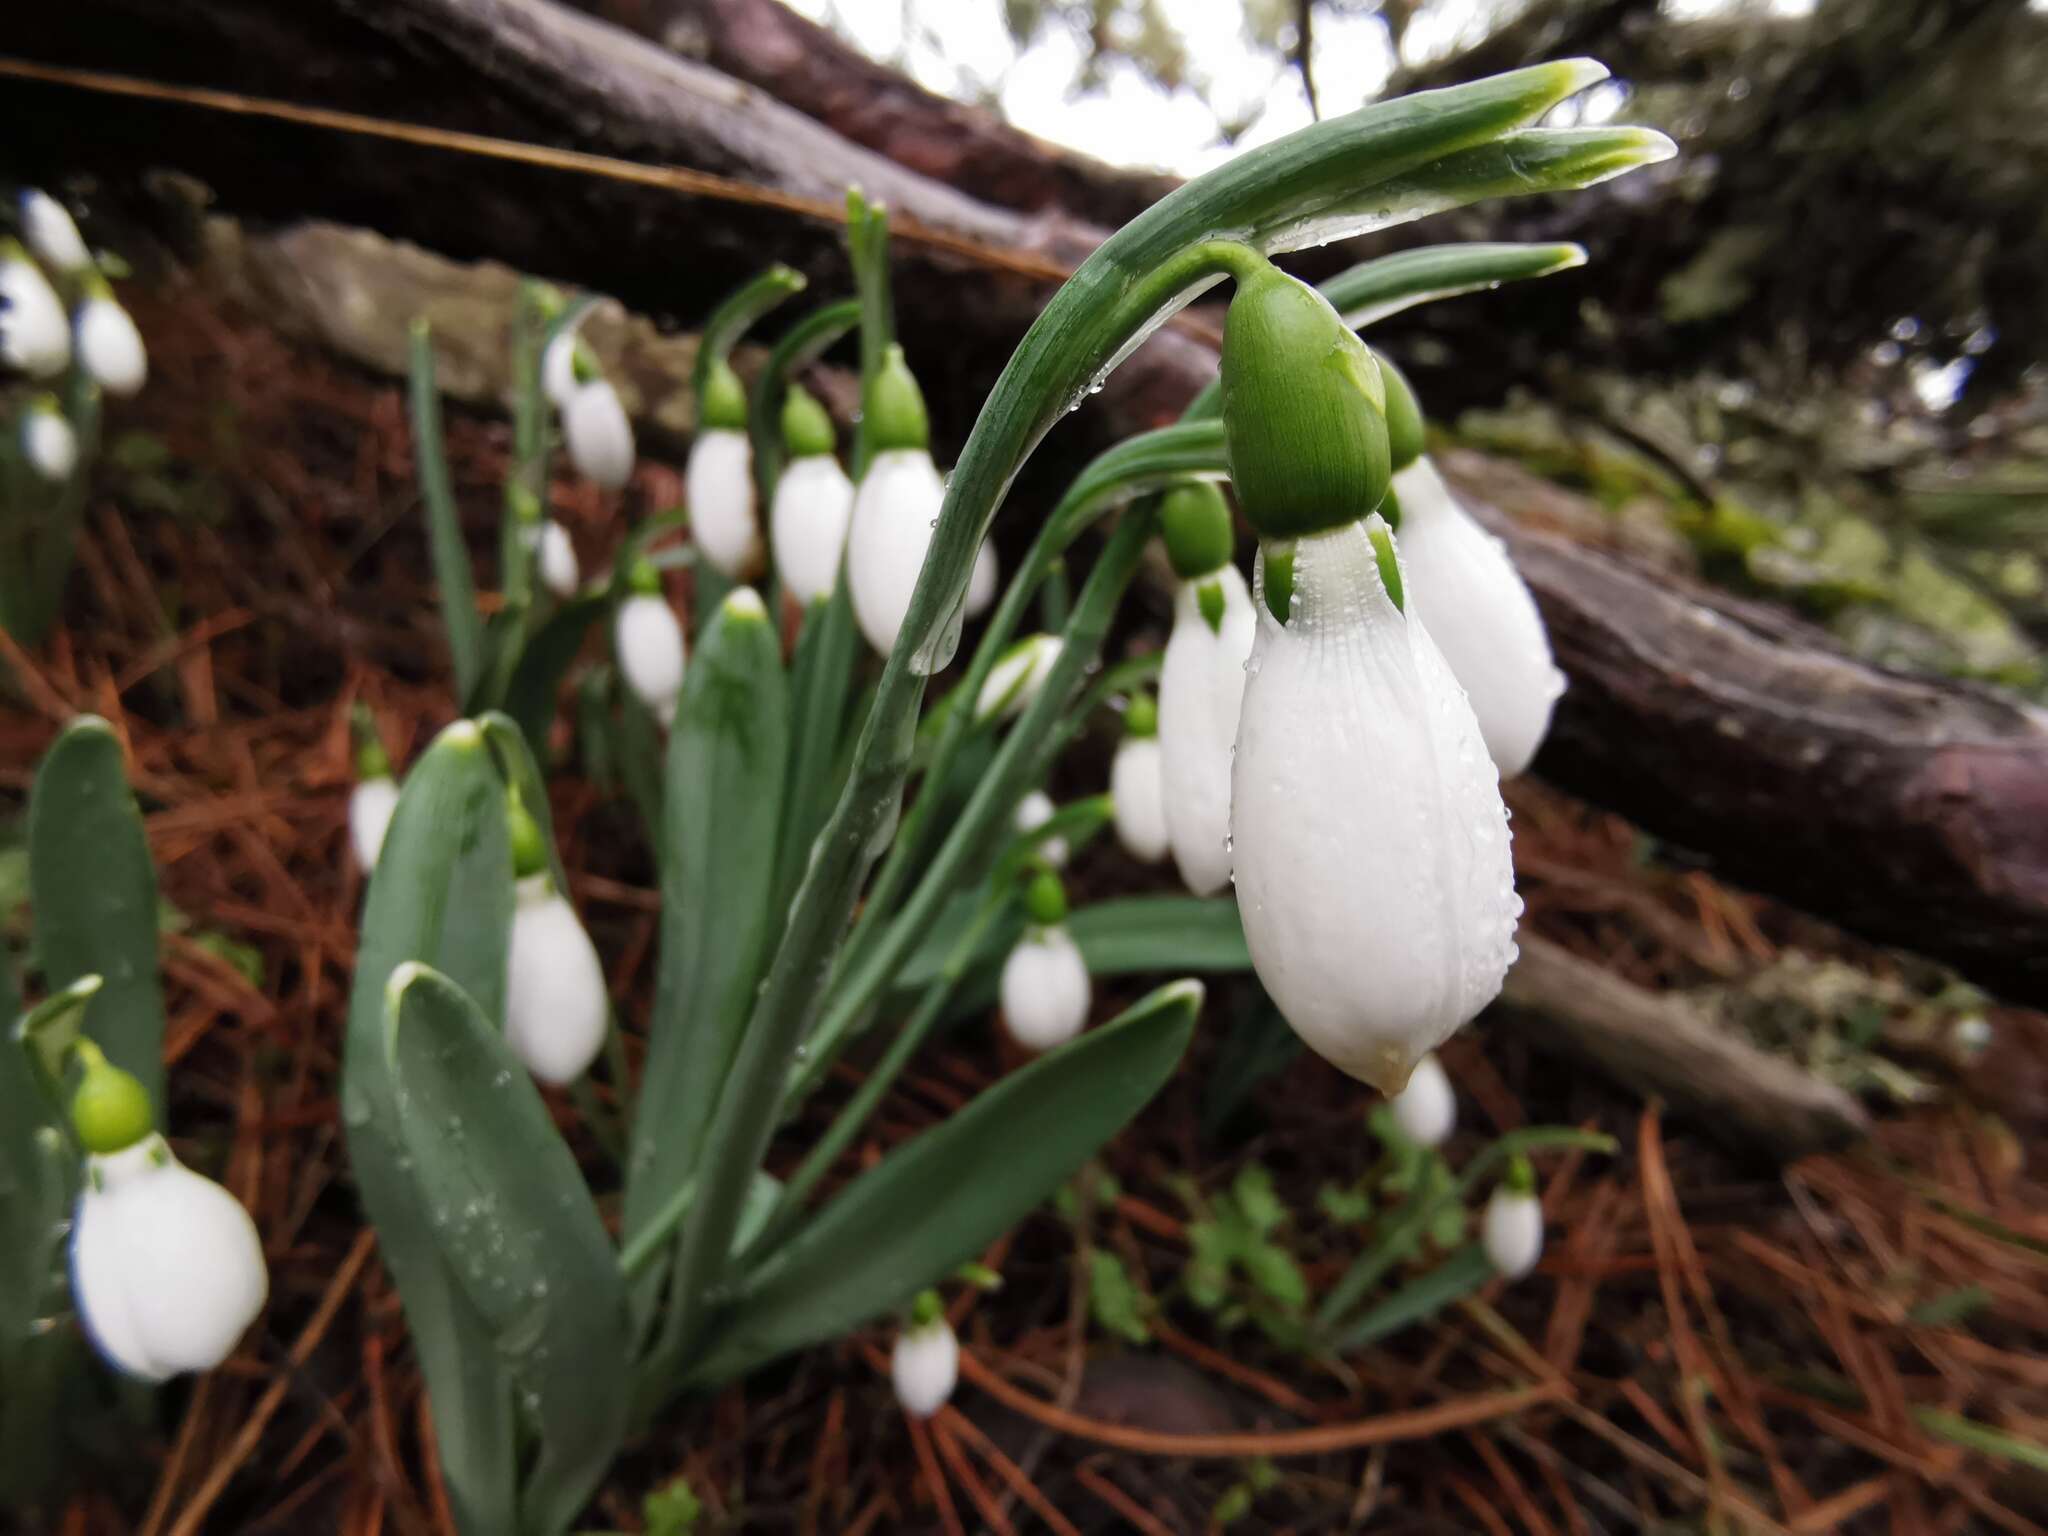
pixel 1706 1344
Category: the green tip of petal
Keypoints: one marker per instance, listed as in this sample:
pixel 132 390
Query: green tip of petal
pixel 1278 584
pixel 1390 566
pixel 927 1309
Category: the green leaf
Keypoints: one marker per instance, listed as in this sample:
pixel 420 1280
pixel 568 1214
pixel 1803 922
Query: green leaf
pixel 1114 1301
pixel 42 1040
pixel 820 681
pixel 726 760
pixel 516 1228
pixel 519 769
pixel 94 891
pixel 442 895
pixel 1428 1294
pixel 940 1199
pixel 1135 934
pixel 444 527
pixel 536 682
pixel 672 1510
pixel 1257 1202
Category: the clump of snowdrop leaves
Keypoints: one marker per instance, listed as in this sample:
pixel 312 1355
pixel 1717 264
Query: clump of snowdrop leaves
pixel 373 800
pixel 813 502
pixel 719 478
pixel 1512 1229
pixel 648 639
pixel 1201 682
pixel 1370 843
pixel 1427 1109
pixel 47 440
pixel 1045 989
pixel 1017 678
pixel 896 507
pixel 34 335
pixel 109 346
pixel 1137 784
pixel 556 1010
pixel 166 1267
pixel 924 1367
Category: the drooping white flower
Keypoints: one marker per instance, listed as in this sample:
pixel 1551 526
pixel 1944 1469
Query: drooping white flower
pixel 1201 688
pixel 555 1008
pixel 981 583
pixel 1045 988
pixel 555 556
pixel 1370 844
pixel 34 335
pixel 1464 586
pixel 1427 1109
pixel 1137 785
pixel 1017 678
pixel 47 441
pixel 599 435
pixel 924 1366
pixel 1513 1231
pixel 894 512
pixel 649 641
pixel 51 233
pixel 719 482
pixel 109 346
pixel 370 805
pixel 166 1267
pixel 558 368
pixel 1033 812
pixel 808 523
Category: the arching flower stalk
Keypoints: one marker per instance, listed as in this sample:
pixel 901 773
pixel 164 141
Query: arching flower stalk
pixel 375 796
pixel 47 441
pixel 1427 1109
pixel 108 344
pixel 896 507
pixel 556 1004
pixel 1137 783
pixel 51 232
pixel 1201 682
pixel 924 1366
pixel 1045 989
pixel 648 640
pixel 813 502
pixel 34 335
pixel 1512 1229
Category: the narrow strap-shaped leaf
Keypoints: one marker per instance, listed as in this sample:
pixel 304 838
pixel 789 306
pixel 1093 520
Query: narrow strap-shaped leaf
pixel 1135 934
pixel 93 888
pixel 441 894
pixel 736 315
pixel 942 1197
pixel 550 651
pixel 820 680
pixel 727 757
pixel 798 347
pixel 516 1228
pixel 1426 1295
pixel 450 550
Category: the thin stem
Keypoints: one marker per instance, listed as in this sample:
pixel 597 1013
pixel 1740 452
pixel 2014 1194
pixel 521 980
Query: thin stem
pixel 736 316
pixel 797 348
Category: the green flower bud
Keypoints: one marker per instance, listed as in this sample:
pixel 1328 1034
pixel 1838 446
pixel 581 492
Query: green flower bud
pixel 1194 520
pixel 1045 899
pixel 111 1109
pixel 1304 411
pixel 1404 417
pixel 529 847
pixel 725 399
pixel 644 578
pixel 806 429
pixel 895 407
pixel 1141 716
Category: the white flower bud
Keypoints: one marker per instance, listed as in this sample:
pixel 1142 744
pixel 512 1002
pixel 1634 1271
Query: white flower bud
pixel 558 369
pixel 599 435
pixel 1033 812
pixel 1513 1231
pixel 34 335
pixel 719 485
pixel 109 346
pixel 47 226
pixel 1427 1109
pixel 1201 688
pixel 555 555
pixel 649 641
pixel 1370 845
pixel 1137 785
pixel 48 443
pixel 1045 989
pixel 925 1367
pixel 981 584
pixel 1464 586
pixel 370 806
pixel 555 1000
pixel 1017 677
pixel 807 525
pixel 894 512
pixel 166 1267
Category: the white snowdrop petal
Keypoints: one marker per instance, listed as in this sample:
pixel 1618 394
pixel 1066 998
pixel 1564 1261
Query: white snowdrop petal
pixel 49 230
pixel 1138 789
pixel 35 336
pixel 1201 689
pixel 1016 679
pixel 49 444
pixel 1513 1231
pixel 558 369
pixel 1033 812
pixel 110 347
pixel 719 487
pixel 807 525
pixel 599 435
pixel 555 1009
pixel 1427 1109
pixel 1370 844
pixel 1045 989
pixel 555 554
pixel 370 805
pixel 1464 587
pixel 981 584
pixel 648 639
pixel 894 512
pixel 924 1367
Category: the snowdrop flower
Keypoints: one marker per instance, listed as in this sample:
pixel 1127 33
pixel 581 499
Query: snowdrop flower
pixel 1513 1226
pixel 34 336
pixel 109 346
pixel 51 233
pixel 813 502
pixel 1370 844
pixel 166 1267
pixel 555 556
pixel 896 507
pixel 1017 678
pixel 375 797
pixel 1137 783
pixel 47 441
pixel 982 581
pixel 1045 989
pixel 649 642
pixel 1427 1109
pixel 925 1364
pixel 599 435
pixel 555 999
pixel 719 479
pixel 1201 682
pixel 566 364
pixel 1033 812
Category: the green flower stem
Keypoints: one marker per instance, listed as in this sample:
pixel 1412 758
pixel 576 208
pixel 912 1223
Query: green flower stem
pixel 736 316
pixel 867 248
pixel 444 525
pixel 798 347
